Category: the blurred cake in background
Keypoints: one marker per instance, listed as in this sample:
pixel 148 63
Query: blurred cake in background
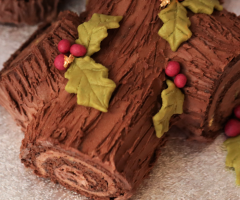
pixel 27 11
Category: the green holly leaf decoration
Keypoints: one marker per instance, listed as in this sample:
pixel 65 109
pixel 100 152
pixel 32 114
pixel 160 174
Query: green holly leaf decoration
pixel 175 29
pixel 90 82
pixel 203 6
pixel 172 103
pixel 233 156
pixel 91 33
pixel 88 79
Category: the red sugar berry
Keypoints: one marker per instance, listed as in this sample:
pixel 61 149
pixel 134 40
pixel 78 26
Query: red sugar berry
pixel 232 128
pixel 172 69
pixel 180 80
pixel 237 111
pixel 64 46
pixel 59 62
pixel 78 50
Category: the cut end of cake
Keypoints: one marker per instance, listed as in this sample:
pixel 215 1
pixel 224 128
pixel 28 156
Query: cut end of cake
pixel 28 12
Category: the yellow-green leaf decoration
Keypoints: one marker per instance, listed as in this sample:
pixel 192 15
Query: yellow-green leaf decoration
pixel 92 33
pixel 172 103
pixel 233 156
pixel 202 6
pixel 175 29
pixel 90 82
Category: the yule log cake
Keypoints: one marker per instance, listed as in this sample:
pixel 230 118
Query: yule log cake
pixel 100 155
pixel 106 155
pixel 27 11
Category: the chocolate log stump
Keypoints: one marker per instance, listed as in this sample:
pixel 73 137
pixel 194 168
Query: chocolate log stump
pixel 107 155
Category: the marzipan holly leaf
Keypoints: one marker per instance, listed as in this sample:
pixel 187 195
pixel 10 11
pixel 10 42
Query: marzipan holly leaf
pixel 172 103
pixel 233 156
pixel 202 6
pixel 175 29
pixel 92 33
pixel 90 82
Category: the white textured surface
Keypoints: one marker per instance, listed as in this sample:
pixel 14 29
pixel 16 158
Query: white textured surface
pixel 185 170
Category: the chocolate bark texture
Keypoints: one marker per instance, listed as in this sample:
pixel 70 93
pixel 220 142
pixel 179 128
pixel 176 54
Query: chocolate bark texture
pixel 27 11
pixel 100 155
pixel 107 155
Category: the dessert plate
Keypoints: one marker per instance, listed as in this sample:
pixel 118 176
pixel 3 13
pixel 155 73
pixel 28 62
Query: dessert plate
pixel 185 170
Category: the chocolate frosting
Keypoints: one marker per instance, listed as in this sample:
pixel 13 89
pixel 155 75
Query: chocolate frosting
pixel 27 12
pixel 112 142
pixel 62 138
pixel 204 59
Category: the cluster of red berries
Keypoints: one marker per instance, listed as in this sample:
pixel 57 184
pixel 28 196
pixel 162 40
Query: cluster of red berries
pixel 232 127
pixel 172 70
pixel 62 61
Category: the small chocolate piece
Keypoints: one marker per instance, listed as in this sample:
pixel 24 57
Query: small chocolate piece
pixel 27 11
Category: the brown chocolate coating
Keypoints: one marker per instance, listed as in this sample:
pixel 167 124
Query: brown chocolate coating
pixel 107 155
pixel 120 144
pixel 210 60
pixel 205 59
pixel 27 11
